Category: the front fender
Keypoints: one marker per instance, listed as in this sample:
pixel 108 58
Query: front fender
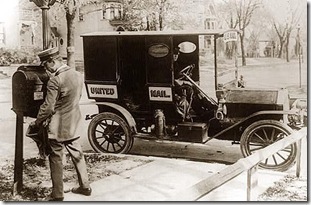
pixel 250 119
pixel 119 110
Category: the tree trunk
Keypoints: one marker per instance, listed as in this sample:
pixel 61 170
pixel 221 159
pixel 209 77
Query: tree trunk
pixel 70 40
pixel 242 50
pixel 161 18
pixel 287 50
pixel 160 22
pixel 230 47
pixel 148 24
pixel 281 48
pixel 287 46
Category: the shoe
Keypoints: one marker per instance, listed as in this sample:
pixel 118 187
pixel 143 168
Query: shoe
pixel 83 191
pixel 50 198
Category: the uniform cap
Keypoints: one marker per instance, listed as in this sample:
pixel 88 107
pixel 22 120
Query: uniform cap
pixel 48 54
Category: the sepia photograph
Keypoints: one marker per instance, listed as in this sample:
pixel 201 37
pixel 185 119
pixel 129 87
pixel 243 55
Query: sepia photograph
pixel 154 101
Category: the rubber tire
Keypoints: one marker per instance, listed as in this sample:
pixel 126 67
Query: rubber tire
pixel 244 143
pixel 128 140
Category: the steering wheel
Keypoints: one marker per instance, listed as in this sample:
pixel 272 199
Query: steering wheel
pixel 187 71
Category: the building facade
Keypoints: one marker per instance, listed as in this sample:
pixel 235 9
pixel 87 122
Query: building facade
pixel 21 28
pixel 24 29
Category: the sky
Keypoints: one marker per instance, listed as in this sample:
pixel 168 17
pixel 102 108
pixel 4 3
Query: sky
pixel 6 8
pixel 281 8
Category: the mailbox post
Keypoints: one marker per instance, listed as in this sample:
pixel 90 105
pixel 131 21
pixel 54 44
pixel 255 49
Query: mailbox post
pixel 18 161
pixel 28 92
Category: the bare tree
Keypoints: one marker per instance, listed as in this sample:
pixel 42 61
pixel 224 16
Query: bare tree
pixel 156 11
pixel 260 29
pixel 284 28
pixel 281 32
pixel 239 16
pixel 162 5
pixel 295 17
pixel 153 13
pixel 70 7
pixel 225 12
pixel 244 12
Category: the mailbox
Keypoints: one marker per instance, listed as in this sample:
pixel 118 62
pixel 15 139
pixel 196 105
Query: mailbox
pixel 29 89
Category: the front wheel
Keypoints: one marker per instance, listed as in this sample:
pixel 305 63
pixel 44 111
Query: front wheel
pixel 109 133
pixel 263 133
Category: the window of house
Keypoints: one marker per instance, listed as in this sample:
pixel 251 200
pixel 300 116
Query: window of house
pixel 112 11
pixel 26 36
pixel 119 12
pixel 104 11
pixel 26 14
pixel 207 25
pixel 2 33
pixel 80 15
pixel 207 42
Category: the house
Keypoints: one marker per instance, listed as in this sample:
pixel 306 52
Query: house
pixel 203 15
pixel 106 16
pixel 18 28
pixel 266 47
pixel 22 29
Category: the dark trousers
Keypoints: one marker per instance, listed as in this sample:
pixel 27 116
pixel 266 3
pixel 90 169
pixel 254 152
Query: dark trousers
pixel 56 165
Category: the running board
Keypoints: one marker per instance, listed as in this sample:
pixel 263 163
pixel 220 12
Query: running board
pixel 146 136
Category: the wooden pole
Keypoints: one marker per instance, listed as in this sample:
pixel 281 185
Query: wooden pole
pixel 18 161
pixel 299 56
pixel 45 27
pixel 252 183
pixel 236 63
pixel 298 159
pixel 45 6
pixel 215 62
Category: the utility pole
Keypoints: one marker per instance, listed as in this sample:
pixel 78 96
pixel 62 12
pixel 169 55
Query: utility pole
pixel 299 53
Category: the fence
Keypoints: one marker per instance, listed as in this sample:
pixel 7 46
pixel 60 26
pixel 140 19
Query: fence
pixel 248 164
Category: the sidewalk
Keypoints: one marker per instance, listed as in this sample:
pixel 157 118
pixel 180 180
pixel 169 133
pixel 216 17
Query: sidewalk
pixel 162 178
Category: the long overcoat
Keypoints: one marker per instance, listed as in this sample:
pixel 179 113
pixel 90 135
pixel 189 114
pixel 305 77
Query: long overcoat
pixel 61 105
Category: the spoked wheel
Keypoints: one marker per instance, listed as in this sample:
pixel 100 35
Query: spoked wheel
pixel 109 133
pixel 263 133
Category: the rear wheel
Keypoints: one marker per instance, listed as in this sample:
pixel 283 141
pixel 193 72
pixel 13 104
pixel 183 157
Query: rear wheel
pixel 109 133
pixel 263 133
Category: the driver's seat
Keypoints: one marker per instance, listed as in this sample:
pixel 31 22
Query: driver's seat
pixel 183 99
